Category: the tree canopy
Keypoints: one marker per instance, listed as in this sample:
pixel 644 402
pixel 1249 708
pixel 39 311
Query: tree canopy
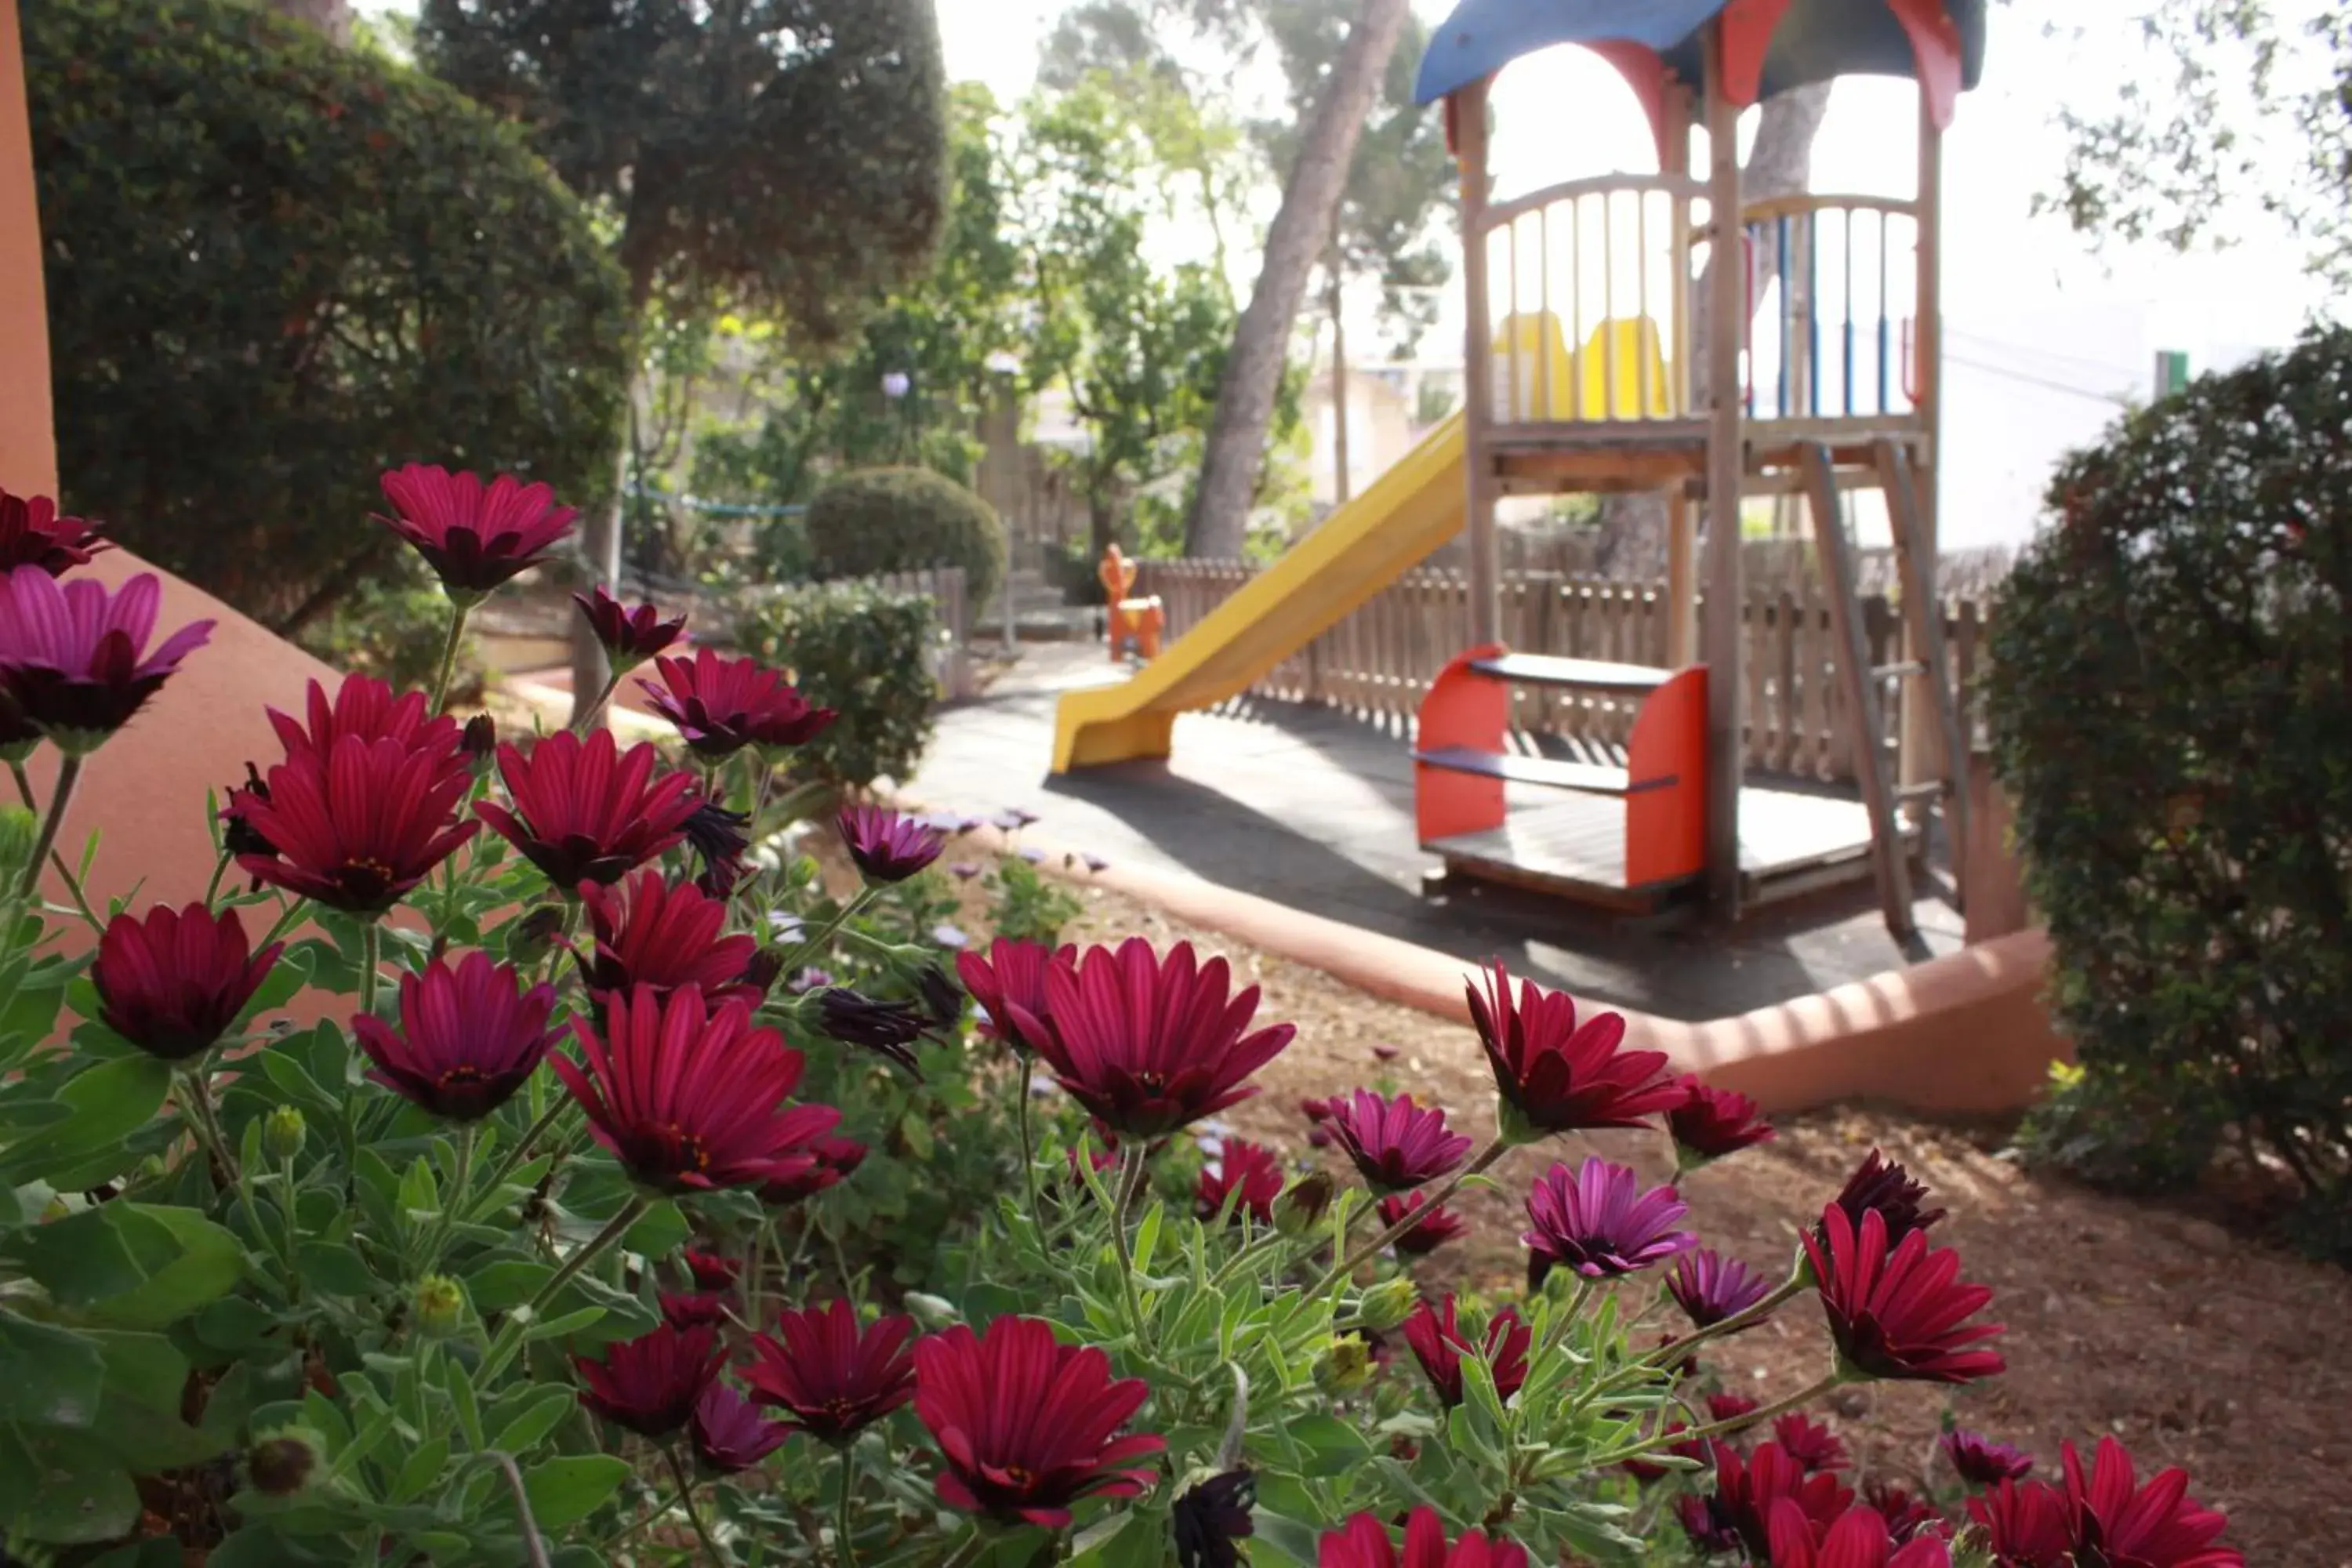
pixel 790 153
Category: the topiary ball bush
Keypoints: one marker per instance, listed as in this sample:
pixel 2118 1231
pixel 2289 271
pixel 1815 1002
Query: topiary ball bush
pixel 2171 698
pixel 906 519
pixel 865 653
pixel 276 268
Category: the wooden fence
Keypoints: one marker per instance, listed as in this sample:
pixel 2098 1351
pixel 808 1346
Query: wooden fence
pixel 1382 659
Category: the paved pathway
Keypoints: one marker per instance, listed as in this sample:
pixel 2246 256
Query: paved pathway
pixel 1313 807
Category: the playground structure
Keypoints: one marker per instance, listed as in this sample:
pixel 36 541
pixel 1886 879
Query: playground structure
pixel 1608 353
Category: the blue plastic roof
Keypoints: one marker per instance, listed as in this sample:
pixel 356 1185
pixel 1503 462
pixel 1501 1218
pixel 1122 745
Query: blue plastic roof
pixel 1816 41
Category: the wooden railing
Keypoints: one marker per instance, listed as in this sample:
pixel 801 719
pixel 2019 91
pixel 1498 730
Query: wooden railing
pixel 1589 285
pixel 1382 659
pixel 1840 276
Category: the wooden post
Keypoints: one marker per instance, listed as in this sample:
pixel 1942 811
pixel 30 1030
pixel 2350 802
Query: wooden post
pixel 1919 745
pixel 1726 464
pixel 1478 388
pixel 1681 519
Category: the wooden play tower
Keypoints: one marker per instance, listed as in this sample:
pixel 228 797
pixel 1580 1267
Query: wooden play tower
pixel 1654 332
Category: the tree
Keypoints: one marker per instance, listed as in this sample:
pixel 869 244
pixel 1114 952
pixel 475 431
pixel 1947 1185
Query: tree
pixel 952 333
pixel 787 155
pixel 1402 179
pixel 2256 118
pixel 1301 231
pixel 332 17
pixel 1137 346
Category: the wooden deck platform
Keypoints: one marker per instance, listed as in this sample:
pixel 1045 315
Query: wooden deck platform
pixel 1790 842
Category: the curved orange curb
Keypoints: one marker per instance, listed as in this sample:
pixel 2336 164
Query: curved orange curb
pixel 1961 1035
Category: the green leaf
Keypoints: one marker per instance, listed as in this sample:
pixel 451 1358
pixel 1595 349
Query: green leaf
pixel 287 976
pixel 83 1496
pixel 528 1430
pixel 135 1265
pixel 506 1284
pixel 1332 1447
pixel 1288 1537
pixel 565 1490
pixel 56 1377
pixel 421 1469
pixel 332 1269
pixel 109 1102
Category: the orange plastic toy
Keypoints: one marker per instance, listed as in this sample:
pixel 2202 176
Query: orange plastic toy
pixel 1140 621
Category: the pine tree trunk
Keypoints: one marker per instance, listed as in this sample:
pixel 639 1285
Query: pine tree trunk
pixel 332 17
pixel 1633 528
pixel 1342 487
pixel 1237 446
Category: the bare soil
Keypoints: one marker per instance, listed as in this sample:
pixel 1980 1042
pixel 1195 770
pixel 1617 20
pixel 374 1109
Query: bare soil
pixel 2194 1344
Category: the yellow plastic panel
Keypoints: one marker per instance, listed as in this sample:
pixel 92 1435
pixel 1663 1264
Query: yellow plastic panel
pixel 1360 550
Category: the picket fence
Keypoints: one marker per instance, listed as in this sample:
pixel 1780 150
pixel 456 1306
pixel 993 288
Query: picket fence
pixel 1382 659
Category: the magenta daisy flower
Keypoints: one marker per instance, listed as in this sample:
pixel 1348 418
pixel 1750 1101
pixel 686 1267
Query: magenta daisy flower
pixel 70 652
pixel 1597 1221
pixel 722 706
pixel 33 533
pixel 629 636
pixel 688 1099
pixel 1148 1044
pixel 173 982
pixel 651 1384
pixel 652 931
pixel 1437 1343
pixel 728 1433
pixel 1858 1538
pixel 357 829
pixel 1364 1542
pixel 2026 1524
pixel 1981 1462
pixel 1009 983
pixel 468 1037
pixel 2116 1521
pixel 365 707
pixel 584 811
pixel 1433 1229
pixel 1396 1144
pixel 1709 1124
pixel 1898 1313
pixel 1879 1184
pixel 1247 1174
pixel 1556 1074
pixel 1809 1443
pixel 832 1162
pixel 831 1376
pixel 1710 1287
pixel 885 846
pixel 1028 1426
pixel 474 536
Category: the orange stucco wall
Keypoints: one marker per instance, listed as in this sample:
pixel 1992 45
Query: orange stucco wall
pixel 146 787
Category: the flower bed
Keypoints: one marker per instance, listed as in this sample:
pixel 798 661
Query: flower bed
pixel 572 1235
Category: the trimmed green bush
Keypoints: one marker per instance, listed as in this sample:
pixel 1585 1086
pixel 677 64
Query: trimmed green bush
pixel 2171 705
pixel 906 519
pixel 866 653
pixel 276 268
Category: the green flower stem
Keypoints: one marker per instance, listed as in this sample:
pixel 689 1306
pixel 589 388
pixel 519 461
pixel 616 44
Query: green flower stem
pixel 588 717
pixel 286 921
pixel 848 1494
pixel 534 1548
pixel 1370 1249
pixel 965 1555
pixel 458 611
pixel 293 1223
pixel 581 1256
pixel 693 1515
pixel 68 774
pixel 220 870
pixel 24 786
pixel 459 1191
pixel 370 956
pixel 1681 1348
pixel 1130 1179
pixel 1660 1438
pixel 1028 1140
pixel 515 1156
pixel 1576 1304
pixel 816 940
pixel 73 883
pixel 196 1099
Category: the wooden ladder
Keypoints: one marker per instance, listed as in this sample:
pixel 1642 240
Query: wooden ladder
pixel 1931 670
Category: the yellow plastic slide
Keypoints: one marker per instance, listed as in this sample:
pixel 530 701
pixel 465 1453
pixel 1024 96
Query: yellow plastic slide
pixel 1361 549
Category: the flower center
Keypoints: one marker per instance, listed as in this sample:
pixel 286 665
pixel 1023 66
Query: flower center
pixel 466 1076
pixel 1018 1475
pixel 687 1150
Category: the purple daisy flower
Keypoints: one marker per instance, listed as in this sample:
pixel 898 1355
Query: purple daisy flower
pixel 1397 1145
pixel 1710 1287
pixel 1598 1222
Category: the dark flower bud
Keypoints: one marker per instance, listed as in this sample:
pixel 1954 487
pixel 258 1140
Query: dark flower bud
pixel 1209 1519
pixel 891 1028
pixel 481 738
pixel 942 996
pixel 1302 1208
pixel 280 1467
pixel 761 972
pixel 542 926
pixel 239 837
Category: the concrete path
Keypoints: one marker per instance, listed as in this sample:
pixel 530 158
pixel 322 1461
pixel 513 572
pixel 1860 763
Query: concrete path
pixel 1312 808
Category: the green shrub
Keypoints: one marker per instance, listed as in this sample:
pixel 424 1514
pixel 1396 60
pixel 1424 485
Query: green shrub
pixel 276 268
pixel 393 628
pixel 2171 697
pixel 866 653
pixel 907 520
